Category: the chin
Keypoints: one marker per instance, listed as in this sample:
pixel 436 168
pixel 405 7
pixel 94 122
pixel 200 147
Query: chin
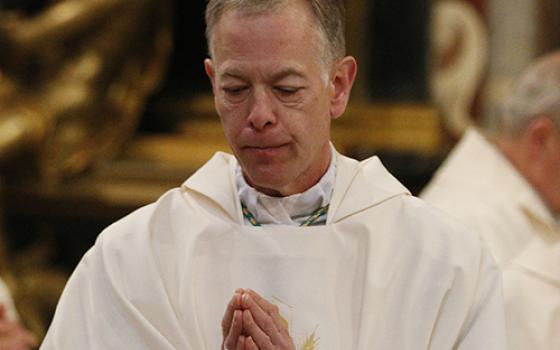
pixel 268 182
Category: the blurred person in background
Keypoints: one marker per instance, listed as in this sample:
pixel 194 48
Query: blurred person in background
pixel 504 182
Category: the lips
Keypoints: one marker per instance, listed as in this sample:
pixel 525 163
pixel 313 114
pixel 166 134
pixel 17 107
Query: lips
pixel 266 150
pixel 265 146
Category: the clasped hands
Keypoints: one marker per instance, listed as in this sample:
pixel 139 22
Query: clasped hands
pixel 252 323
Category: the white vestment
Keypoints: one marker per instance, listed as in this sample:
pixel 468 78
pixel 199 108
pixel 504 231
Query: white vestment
pixel 480 187
pixel 7 302
pixel 386 272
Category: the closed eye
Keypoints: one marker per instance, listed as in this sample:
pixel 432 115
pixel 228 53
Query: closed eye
pixel 287 90
pixel 235 93
pixel 289 94
pixel 234 90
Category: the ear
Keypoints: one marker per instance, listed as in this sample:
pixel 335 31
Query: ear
pixel 342 80
pixel 540 137
pixel 210 72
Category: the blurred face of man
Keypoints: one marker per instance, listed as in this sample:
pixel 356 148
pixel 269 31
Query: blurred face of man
pixel 536 154
pixel 274 96
pixel 553 171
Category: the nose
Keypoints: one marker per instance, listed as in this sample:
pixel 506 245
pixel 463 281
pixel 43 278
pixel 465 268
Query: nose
pixel 261 114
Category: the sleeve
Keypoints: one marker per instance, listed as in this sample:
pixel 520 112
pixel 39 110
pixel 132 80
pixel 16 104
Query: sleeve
pixel 102 307
pixel 485 326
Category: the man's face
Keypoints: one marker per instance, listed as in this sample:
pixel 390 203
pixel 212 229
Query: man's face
pixel 274 96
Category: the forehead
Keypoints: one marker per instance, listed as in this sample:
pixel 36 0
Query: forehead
pixel 285 32
pixel 255 9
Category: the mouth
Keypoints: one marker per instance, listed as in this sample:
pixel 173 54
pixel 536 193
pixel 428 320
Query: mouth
pixel 265 146
pixel 266 150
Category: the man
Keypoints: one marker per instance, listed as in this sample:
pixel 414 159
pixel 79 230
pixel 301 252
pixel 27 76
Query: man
pixel 505 183
pixel 287 245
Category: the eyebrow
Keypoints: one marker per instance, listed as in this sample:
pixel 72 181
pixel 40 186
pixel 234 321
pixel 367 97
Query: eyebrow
pixel 284 73
pixel 233 73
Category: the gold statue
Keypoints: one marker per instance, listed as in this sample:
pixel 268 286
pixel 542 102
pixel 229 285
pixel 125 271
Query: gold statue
pixel 74 79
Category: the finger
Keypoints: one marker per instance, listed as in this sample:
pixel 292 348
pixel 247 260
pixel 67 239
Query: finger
pixel 266 315
pixel 250 344
pixel 260 337
pixel 261 316
pixel 241 343
pixel 267 306
pixel 2 312
pixel 235 331
pixel 234 304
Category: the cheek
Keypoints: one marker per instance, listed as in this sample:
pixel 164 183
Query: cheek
pixel 312 125
pixel 228 126
pixel 231 116
pixel 555 168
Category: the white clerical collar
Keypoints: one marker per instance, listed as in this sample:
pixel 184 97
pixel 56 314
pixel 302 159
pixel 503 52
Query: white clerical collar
pixel 290 210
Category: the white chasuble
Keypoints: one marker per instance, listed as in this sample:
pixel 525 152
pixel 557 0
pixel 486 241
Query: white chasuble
pixel 480 187
pixel 386 272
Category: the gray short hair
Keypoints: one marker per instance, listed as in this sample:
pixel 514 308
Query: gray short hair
pixel 536 93
pixel 330 15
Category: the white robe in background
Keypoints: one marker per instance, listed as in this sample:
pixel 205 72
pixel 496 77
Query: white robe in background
pixel 387 272
pixel 480 187
pixel 7 302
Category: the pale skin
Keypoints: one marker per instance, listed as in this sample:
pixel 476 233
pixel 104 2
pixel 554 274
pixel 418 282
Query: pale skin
pixel 251 322
pixel 276 98
pixel 13 336
pixel 535 152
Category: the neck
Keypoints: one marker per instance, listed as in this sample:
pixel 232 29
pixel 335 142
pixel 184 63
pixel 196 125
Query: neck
pixel 303 182
pixel 302 209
